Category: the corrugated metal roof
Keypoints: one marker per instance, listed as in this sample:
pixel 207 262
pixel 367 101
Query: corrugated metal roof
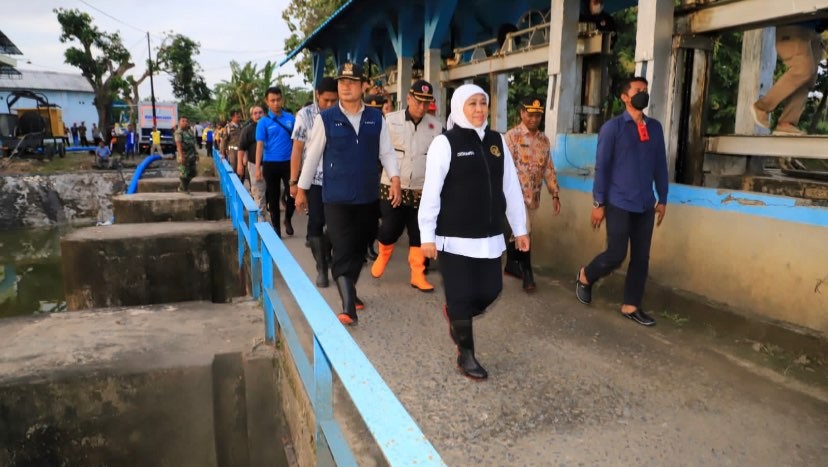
pixel 7 46
pixel 47 81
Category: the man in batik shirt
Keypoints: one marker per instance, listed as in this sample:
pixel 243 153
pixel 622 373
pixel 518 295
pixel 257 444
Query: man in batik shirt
pixel 530 149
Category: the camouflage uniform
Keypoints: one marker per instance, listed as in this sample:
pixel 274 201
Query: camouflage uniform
pixel 187 169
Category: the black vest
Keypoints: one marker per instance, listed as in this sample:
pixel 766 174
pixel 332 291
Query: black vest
pixel 472 204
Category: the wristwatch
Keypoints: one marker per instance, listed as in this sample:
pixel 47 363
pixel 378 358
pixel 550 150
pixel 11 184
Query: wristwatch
pixel 596 204
pixel 293 182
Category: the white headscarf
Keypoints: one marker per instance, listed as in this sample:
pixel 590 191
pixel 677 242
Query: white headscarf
pixel 458 100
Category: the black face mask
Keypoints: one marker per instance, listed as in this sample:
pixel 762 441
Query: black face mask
pixel 640 101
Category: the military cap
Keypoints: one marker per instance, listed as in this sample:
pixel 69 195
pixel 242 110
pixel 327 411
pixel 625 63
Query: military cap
pixel 374 100
pixel 533 105
pixel 352 71
pixel 423 91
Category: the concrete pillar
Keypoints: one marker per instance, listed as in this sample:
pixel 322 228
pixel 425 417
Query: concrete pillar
pixel 653 51
pixel 498 108
pixel 404 67
pixel 432 70
pixel 560 94
pixel 755 79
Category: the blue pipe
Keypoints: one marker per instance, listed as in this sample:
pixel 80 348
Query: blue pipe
pixel 133 184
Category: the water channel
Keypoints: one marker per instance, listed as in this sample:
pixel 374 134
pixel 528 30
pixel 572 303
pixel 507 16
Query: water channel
pixel 31 278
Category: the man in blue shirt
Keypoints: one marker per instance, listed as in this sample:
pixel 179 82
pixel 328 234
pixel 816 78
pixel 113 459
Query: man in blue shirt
pixel 631 157
pixel 273 148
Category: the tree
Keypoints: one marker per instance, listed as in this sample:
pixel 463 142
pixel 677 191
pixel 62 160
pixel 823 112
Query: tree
pixel 101 57
pixel 302 18
pixel 175 57
pixel 104 62
pixel 247 86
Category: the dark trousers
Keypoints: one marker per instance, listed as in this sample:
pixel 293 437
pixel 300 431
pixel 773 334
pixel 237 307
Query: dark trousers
pixel 350 226
pixel 471 284
pixel 623 228
pixel 277 174
pixel 395 220
pixel 316 211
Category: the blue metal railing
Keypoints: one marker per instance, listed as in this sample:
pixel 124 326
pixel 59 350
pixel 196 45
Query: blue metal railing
pixel 397 435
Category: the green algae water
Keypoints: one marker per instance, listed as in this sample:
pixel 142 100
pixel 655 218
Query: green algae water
pixel 31 278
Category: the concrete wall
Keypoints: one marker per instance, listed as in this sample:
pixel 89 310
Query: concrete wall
pixel 224 414
pixel 44 200
pixel 759 254
pixel 125 264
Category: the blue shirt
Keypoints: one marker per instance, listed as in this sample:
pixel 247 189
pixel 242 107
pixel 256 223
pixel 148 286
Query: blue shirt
pixel 103 152
pixel 276 136
pixel 626 167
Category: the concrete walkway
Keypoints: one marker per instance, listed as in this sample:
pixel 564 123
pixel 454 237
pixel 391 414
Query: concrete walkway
pixel 577 385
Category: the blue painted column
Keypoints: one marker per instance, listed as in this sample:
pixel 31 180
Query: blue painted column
pixel 318 66
pixel 404 37
pixel 438 15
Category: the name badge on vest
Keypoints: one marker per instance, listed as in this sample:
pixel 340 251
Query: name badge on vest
pixel 495 150
pixel 369 122
pixel 465 153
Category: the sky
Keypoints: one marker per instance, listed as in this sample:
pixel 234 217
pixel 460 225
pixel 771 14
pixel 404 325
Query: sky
pixel 240 30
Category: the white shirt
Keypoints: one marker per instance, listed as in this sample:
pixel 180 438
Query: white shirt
pixel 437 166
pixel 315 147
pixel 301 130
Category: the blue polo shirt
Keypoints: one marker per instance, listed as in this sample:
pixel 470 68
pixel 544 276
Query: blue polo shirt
pixel 274 131
pixel 626 168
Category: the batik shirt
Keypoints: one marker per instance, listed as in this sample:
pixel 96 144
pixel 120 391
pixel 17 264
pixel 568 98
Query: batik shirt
pixel 533 163
pixel 301 132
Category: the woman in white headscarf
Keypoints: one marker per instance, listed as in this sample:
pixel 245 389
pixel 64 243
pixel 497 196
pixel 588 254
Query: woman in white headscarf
pixel 470 183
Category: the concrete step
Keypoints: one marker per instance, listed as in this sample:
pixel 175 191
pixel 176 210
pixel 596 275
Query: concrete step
pixel 155 185
pixel 166 206
pixel 159 262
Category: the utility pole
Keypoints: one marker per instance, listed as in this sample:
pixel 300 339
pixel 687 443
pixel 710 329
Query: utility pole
pixel 152 85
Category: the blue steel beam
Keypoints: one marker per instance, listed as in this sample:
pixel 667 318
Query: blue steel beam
pixel 438 14
pixel 407 30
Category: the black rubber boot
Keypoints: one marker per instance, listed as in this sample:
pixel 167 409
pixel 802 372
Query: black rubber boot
pixel 461 331
pixel 347 292
pixel 318 250
pixel 512 262
pixel 371 253
pixel 528 275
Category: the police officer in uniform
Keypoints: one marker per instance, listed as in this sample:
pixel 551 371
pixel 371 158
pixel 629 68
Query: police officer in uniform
pixel 230 143
pixel 349 138
pixel 412 131
pixel 185 143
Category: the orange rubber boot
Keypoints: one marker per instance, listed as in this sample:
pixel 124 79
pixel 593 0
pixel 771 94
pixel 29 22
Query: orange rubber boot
pixel 416 260
pixel 378 268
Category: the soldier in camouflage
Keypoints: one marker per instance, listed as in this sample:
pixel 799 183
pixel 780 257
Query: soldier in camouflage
pixel 185 142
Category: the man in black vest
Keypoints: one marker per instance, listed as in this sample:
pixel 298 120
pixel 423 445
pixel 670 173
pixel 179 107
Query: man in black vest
pixel 349 138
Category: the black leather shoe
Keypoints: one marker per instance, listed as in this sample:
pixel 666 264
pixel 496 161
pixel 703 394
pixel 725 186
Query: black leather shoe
pixel 288 227
pixel 583 291
pixel 640 317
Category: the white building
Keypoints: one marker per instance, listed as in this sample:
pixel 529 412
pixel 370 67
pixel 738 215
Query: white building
pixel 70 91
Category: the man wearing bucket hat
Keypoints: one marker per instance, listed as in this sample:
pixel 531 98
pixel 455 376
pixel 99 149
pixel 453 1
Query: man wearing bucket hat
pixel 412 131
pixel 349 139
pixel 530 149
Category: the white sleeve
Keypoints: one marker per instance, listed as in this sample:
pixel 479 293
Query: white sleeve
pixel 387 155
pixel 515 208
pixel 300 128
pixel 313 153
pixel 438 161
